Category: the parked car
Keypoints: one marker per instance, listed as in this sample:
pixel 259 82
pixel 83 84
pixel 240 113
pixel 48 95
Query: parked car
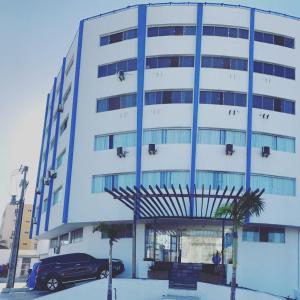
pixel 53 272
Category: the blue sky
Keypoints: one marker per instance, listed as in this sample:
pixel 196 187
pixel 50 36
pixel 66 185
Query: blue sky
pixel 36 34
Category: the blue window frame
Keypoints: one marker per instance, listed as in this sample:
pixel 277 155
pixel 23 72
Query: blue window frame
pixel 171 30
pixel 166 178
pixel 169 61
pixel 275 39
pixel 168 97
pixel 283 186
pixel 116 102
pixel 225 31
pixel 274 69
pixel 111 141
pixel 219 178
pixel 222 62
pixel 223 98
pixel 167 136
pixel 100 182
pixel 275 142
pixel 274 104
pixel 221 136
pixel 113 68
pixel 118 37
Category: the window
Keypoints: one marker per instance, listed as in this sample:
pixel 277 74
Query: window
pixel 274 70
pixel 275 142
pixel 167 136
pixel 221 179
pixel 275 39
pixel 54 243
pixel 221 137
pixel 168 97
pixel 124 231
pixel 116 102
pixel 57 195
pixel 274 104
pixel 77 235
pixel 166 178
pixel 64 239
pixel 104 142
pixel 45 204
pixel 284 186
pixel 233 32
pixel 67 93
pixel 257 233
pixel 64 125
pixel 118 37
pixel 100 182
pixel 169 61
pixel 223 98
pixel 69 66
pixel 171 30
pixel 60 158
pixel 222 62
pixel 52 143
pixel 114 68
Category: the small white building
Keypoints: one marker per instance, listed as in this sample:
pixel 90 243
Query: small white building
pixel 194 80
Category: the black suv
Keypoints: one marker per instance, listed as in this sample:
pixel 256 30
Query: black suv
pixel 55 271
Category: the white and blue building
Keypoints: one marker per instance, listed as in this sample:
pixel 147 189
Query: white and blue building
pixel 189 78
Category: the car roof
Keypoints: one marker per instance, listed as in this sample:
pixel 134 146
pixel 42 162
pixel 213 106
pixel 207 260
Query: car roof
pixel 63 257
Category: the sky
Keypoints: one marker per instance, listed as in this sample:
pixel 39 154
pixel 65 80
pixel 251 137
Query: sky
pixel 35 36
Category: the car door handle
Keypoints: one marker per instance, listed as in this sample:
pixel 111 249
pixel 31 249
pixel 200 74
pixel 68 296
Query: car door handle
pixel 77 264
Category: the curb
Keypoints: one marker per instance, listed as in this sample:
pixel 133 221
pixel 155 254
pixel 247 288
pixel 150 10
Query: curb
pixel 14 290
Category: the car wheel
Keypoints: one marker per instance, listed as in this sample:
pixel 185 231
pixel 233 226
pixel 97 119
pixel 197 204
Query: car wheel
pixel 52 284
pixel 103 274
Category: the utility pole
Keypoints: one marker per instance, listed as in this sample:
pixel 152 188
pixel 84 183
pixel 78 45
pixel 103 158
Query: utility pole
pixel 16 238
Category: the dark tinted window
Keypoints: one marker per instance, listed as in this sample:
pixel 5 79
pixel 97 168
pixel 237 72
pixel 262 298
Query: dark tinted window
pixel 171 30
pixel 275 39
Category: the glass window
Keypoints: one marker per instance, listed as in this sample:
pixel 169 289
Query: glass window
pixel 233 32
pixel 289 73
pixel 130 34
pixel 229 98
pixel 124 180
pixel 151 178
pixel 54 243
pixel 127 139
pixel 114 103
pixel 57 195
pixel 279 40
pixel 268 69
pixel 207 62
pixel 152 31
pixel 111 69
pixel 209 136
pixel 104 40
pixel 251 233
pixel 289 42
pixel 240 99
pixel 124 231
pixel 102 71
pixel 177 136
pixel 131 65
pixel 187 61
pixel 278 105
pixel 102 105
pixel 60 158
pixel 279 71
pixel 64 239
pixel 243 33
pixel 221 31
pixel 76 235
pixel 116 37
pixel 258 67
pixel 189 30
pixel 268 103
pixel 128 101
pixel 268 38
pixel 285 144
pixel 45 204
pixel 289 107
pixel 101 142
pixel 259 36
pixel 100 182
pixel 208 30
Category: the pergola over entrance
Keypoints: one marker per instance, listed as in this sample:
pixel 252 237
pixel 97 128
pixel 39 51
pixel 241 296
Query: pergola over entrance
pixel 177 202
pixel 155 202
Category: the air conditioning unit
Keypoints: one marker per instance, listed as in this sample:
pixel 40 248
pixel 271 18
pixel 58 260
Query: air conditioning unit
pixel 121 152
pixel 265 151
pixel 52 173
pixel 46 181
pixel 152 149
pixel 60 107
pixel 229 149
pixel 34 220
pixel 56 250
pixel 121 75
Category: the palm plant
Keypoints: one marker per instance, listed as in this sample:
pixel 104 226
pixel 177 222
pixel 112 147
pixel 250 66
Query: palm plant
pixel 250 204
pixel 113 236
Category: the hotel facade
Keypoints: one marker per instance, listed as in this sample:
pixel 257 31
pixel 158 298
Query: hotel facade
pixel 190 94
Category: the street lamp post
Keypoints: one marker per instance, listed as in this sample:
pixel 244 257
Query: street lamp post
pixel 16 238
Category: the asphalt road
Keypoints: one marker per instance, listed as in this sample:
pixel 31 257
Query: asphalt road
pixel 22 295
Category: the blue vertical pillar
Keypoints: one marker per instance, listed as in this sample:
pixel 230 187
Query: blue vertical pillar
pixel 39 169
pixel 46 154
pixel 142 16
pixel 73 125
pixel 250 100
pixel 196 102
pixel 55 143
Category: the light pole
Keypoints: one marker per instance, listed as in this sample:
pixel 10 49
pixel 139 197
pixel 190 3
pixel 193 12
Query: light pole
pixel 16 238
